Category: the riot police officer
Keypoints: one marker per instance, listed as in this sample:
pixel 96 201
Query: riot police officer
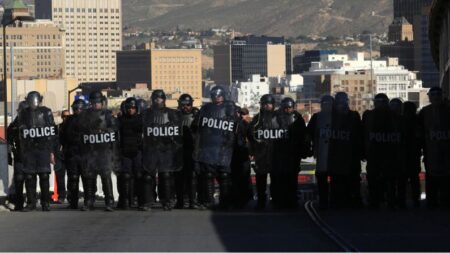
pixel 345 154
pixel 216 128
pixel 264 130
pixel 38 135
pixel 14 146
pixel 434 123
pixel 131 152
pixel 318 127
pixel 383 143
pixel 241 191
pixel 412 156
pixel 70 140
pixel 288 154
pixel 100 141
pixel 60 164
pixel 163 147
pixel 186 182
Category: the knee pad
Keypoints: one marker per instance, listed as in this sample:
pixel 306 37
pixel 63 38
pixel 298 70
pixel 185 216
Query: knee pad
pixel 125 176
pixel 30 176
pixel 19 177
pixel 44 176
pixel 74 177
pixel 224 175
pixel 147 178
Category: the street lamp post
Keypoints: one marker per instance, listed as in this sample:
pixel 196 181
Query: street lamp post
pixel 6 23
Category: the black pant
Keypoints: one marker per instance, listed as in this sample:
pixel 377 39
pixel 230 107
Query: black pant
pixel 438 191
pixel 323 189
pixel 240 181
pixel 284 190
pixel 60 175
pixel 414 183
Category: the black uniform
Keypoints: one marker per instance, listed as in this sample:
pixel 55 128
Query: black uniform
pixel 383 137
pixel 99 152
pixel 60 168
pixel 37 140
pixel 434 122
pixel 216 128
pixel 412 156
pixel 186 182
pixel 288 154
pixel 71 141
pixel 264 131
pixel 337 142
pixel 19 175
pixel 241 191
pixel 131 154
pixel 163 149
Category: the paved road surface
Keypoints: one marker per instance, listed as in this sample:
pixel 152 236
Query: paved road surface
pixel 184 230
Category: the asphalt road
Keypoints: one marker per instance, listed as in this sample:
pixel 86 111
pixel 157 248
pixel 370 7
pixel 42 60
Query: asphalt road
pixel 179 230
pixel 192 230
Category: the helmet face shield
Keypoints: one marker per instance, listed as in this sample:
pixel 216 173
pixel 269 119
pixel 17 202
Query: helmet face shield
pixel 33 100
pixel 217 92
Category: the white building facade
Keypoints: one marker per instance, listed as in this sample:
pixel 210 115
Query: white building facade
pixel 248 94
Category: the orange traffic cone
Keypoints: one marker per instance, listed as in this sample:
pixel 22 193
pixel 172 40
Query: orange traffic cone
pixel 55 195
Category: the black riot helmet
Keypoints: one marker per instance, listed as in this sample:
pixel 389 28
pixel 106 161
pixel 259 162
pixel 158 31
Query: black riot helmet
pixel 409 109
pixel 381 101
pixel 130 103
pixel 158 98
pixel 185 99
pixel 435 95
pixel 34 99
pixel 218 91
pixel 22 106
pixel 267 99
pixel 326 103
pixel 341 102
pixel 396 105
pixel 96 97
pixel 78 105
pixel 142 105
pixel 287 102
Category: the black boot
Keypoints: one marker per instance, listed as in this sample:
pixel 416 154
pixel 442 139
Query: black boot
pixel 89 193
pixel 19 180
pixel 165 187
pixel 180 187
pixel 145 197
pixel 209 190
pixel 73 185
pixel 261 189
pixel 30 185
pixel 225 188
pixel 192 191
pixel 108 192
pixel 44 183
pixel 124 191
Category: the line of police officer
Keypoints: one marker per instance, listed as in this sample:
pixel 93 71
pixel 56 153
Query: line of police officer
pixel 185 151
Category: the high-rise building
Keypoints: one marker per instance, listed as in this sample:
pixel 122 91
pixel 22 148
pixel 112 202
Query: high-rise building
pixel 401 44
pixel 409 8
pixel 302 62
pixel 251 55
pixel 38 50
pixel 173 70
pixel 400 30
pixel 37 47
pixel 424 63
pixel 93 35
pixel 439 31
